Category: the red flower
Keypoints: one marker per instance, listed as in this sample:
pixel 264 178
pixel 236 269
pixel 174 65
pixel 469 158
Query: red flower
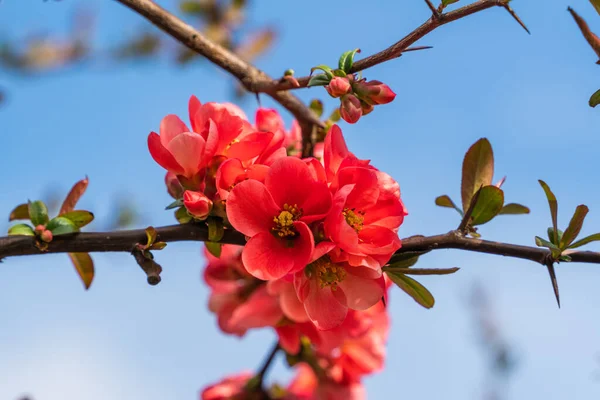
pixel 197 204
pixel 350 109
pixel 338 86
pixel 230 388
pixel 329 289
pixel 275 215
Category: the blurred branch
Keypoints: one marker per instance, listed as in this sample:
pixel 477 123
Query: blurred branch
pixel 89 242
pixel 248 75
pixel 396 50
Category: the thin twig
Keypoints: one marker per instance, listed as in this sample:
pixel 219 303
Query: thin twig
pixel 434 11
pixel 267 364
pixel 396 50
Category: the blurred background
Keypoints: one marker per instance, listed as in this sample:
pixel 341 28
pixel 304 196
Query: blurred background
pixel 84 82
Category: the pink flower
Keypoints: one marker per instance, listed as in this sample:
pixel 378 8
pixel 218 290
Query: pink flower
pixel 197 204
pixel 350 109
pixel 230 388
pixel 374 92
pixel 329 289
pixel 275 215
pixel 232 172
pixel 338 86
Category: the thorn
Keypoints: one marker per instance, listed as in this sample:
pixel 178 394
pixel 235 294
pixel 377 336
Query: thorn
pixel 550 265
pixel 516 17
pixel 416 48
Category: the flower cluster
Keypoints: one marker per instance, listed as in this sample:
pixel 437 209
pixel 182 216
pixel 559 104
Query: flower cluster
pixel 319 231
pixel 358 97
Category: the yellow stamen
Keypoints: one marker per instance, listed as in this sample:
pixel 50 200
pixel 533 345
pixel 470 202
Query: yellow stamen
pixel 354 218
pixel 328 273
pixel 284 222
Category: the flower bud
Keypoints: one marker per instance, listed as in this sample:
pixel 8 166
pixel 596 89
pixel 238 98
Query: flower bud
pixel 338 86
pixel 197 204
pixel 350 109
pixel 374 92
pixel 39 229
pixel 46 236
pixel 366 107
pixel 173 185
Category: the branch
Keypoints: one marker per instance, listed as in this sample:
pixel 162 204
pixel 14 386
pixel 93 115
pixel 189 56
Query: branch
pixel 248 75
pixel 396 50
pixel 126 240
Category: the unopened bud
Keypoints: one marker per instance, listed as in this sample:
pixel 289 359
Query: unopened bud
pixel 338 86
pixel 46 236
pixel 374 92
pixel 350 108
pixel 197 204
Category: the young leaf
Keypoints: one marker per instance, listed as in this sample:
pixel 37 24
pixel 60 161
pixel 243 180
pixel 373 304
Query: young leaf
pixel 61 226
pixel 19 212
pixel 553 203
pixel 405 263
pixel 514 209
pixel 489 204
pixel 477 170
pixel 596 4
pixel 559 234
pixel 409 255
pixel 318 80
pixel 423 271
pixel 446 201
pixel 182 216
pixel 73 197
pixel 84 265
pixel 175 204
pixel 316 106
pixel 215 230
pixel 540 242
pixel 213 248
pixel 413 288
pixel 38 212
pixel 328 72
pixel 448 2
pixel 347 59
pixel 595 99
pixel 151 235
pixel 21 229
pixel 588 239
pixel 574 227
pixel 80 218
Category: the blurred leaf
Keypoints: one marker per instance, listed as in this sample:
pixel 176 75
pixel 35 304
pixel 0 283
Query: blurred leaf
pixel 413 288
pixel 194 7
pixel 446 201
pixel 158 245
pixel 80 217
pixel 588 239
pixel 541 242
pixel 489 203
pixel 477 170
pixel 551 236
pixel 591 38
pixel 405 263
pixel 318 80
pixel 144 45
pixel 256 45
pixel 84 265
pixel 73 197
pixel 595 99
pixel 19 212
pixel 215 229
pixel 574 227
pixel 38 213
pixel 213 248
pixel 446 3
pixel 347 60
pixel 316 106
pixel 21 229
pixel 565 258
pixel 182 216
pixel 61 226
pixel 553 203
pixel 596 4
pixel 514 209
pixel 335 115
pixel 151 235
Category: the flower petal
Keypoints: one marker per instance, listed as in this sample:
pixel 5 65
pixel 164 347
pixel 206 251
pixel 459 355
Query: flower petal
pixel 323 307
pixel 171 126
pixel 250 208
pixel 335 151
pixel 267 257
pixel 162 156
pixel 193 107
pixel 361 293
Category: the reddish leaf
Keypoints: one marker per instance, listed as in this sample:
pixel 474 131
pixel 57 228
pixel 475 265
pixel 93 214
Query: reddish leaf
pixel 84 265
pixel 477 170
pixel 73 197
pixel 20 212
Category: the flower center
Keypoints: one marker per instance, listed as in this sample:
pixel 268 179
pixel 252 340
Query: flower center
pixel 328 273
pixel 354 218
pixel 284 222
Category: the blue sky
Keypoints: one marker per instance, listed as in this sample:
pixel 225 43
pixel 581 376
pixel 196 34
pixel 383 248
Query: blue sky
pixel 485 77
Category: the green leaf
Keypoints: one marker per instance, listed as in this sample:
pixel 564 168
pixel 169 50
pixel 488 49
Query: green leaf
pixel 553 203
pixel 38 212
pixel 422 271
pixel 61 226
pixel 574 227
pixel 541 242
pixel 175 204
pixel 405 256
pixel 21 229
pixel 84 265
pixel 514 209
pixel 588 239
pixel 446 201
pixel 446 3
pixel 565 258
pixel 73 197
pixel 316 106
pixel 595 99
pixel 151 235
pixel 327 71
pixel 551 235
pixel 477 170
pixel 19 212
pixel 413 288
pixel 339 73
pixel 318 80
pixel 158 245
pixel 596 4
pixel 347 60
pixel 80 217
pixel 192 7
pixel 335 115
pixel 215 230
pixel 405 263
pixel 213 248
pixel 489 203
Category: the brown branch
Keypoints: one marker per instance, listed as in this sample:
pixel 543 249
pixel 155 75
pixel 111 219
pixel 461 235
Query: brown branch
pixel 396 50
pixel 126 240
pixel 246 73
